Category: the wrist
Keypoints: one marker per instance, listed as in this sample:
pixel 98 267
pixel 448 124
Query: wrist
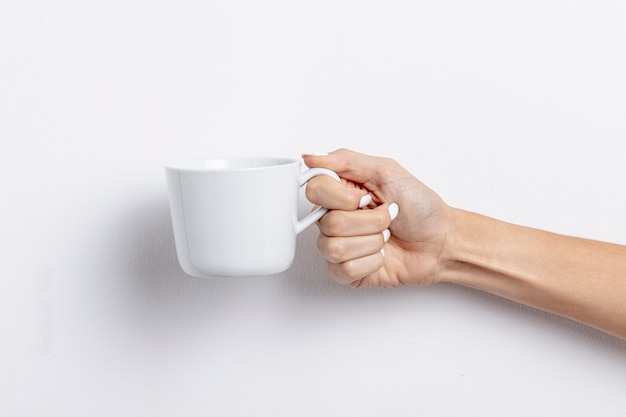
pixel 492 256
pixel 450 257
pixel 472 249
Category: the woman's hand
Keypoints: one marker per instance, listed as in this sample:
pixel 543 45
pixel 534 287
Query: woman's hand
pixel 371 246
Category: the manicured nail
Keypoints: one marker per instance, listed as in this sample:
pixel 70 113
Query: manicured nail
pixel 316 154
pixel 365 200
pixel 382 251
pixel 386 235
pixel 394 209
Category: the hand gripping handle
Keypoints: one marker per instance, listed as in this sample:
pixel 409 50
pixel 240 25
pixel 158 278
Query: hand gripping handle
pixel 316 214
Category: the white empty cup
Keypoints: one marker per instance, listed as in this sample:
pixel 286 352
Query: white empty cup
pixel 238 216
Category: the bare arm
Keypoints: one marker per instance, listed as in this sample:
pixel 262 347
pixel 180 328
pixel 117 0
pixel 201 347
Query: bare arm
pixel 580 279
pixel 431 242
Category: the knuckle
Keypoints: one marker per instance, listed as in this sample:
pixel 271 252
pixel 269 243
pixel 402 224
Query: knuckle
pixel 337 274
pixel 333 223
pixel 335 250
pixel 351 270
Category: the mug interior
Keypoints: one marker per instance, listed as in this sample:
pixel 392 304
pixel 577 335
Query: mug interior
pixel 233 163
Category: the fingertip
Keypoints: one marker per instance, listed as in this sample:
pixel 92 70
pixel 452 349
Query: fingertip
pixel 316 160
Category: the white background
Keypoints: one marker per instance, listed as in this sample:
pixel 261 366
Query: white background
pixel 513 109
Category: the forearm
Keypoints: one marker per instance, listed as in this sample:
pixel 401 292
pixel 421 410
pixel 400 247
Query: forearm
pixel 581 279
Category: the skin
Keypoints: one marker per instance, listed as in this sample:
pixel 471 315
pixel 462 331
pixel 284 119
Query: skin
pixel 432 242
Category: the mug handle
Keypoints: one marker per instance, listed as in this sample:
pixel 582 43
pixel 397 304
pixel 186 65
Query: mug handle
pixel 316 214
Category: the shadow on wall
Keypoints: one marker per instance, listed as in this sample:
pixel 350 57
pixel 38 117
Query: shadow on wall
pixel 147 258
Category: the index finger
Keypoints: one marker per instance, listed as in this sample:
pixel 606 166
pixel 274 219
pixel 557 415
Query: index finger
pixel 354 166
pixel 328 192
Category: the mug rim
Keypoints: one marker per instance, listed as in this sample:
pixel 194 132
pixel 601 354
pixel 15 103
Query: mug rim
pixel 232 163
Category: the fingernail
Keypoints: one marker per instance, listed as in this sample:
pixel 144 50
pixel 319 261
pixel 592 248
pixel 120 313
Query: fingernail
pixel 316 154
pixel 394 209
pixel 386 235
pixel 365 200
pixel 382 251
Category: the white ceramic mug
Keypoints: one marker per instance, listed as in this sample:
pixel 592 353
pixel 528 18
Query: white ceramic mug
pixel 238 216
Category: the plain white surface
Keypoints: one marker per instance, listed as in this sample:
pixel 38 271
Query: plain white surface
pixel 513 109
